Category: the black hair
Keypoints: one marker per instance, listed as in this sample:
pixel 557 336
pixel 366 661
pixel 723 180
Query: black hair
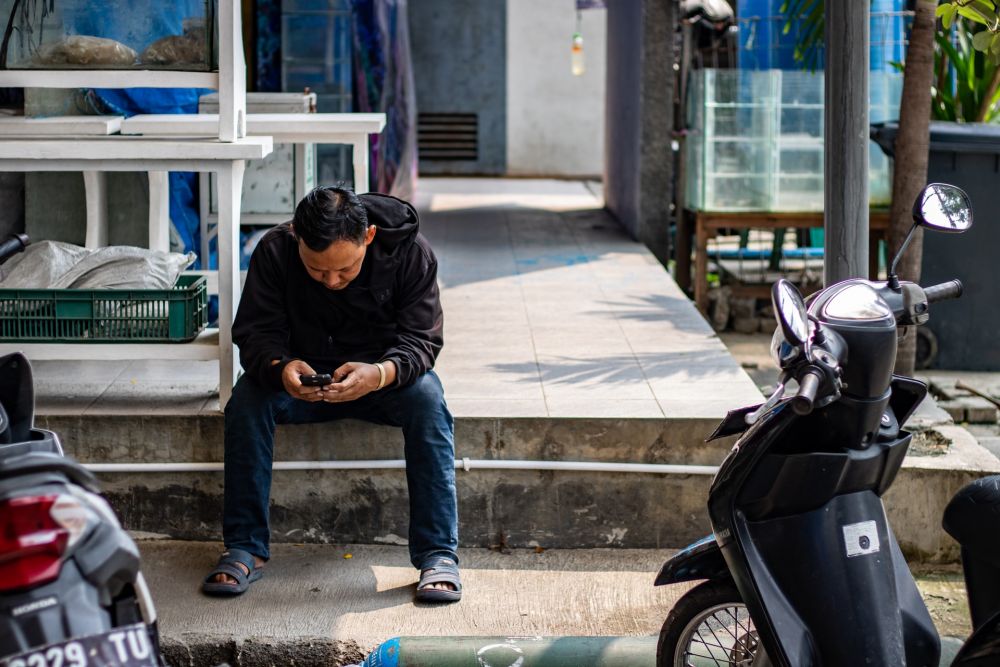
pixel 329 214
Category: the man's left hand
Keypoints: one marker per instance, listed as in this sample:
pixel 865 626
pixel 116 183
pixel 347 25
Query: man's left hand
pixel 351 381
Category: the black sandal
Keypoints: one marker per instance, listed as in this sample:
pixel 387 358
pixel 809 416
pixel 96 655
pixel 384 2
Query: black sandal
pixel 229 565
pixel 439 570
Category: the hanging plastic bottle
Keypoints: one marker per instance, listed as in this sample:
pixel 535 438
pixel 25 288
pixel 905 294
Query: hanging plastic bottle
pixel 576 51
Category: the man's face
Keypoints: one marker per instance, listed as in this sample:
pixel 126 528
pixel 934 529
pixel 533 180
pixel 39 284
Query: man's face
pixel 339 264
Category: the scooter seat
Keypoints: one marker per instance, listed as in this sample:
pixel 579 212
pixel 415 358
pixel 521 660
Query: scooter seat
pixel 973 518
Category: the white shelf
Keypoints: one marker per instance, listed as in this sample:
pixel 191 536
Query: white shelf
pixel 226 156
pixel 119 78
pixel 133 148
pixel 204 348
pixel 286 128
pixel 19 126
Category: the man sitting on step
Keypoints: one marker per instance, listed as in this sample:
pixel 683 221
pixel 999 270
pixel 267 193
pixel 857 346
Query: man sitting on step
pixel 347 288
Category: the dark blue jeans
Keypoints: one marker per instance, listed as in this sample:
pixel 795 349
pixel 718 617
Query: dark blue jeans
pixel 428 431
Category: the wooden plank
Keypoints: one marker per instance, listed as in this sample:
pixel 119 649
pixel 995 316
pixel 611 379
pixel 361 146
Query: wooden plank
pixel 134 148
pixel 286 128
pixel 878 219
pixel 682 266
pixel 19 126
pixel 121 78
pixel 701 270
pixel 708 223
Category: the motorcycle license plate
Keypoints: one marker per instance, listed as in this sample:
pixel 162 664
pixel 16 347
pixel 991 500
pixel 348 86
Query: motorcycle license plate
pixel 127 646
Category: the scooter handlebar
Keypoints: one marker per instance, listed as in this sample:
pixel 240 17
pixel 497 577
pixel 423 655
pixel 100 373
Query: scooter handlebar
pixel 13 245
pixel 809 383
pixel 949 290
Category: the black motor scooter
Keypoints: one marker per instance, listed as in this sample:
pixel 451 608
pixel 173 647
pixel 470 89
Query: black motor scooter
pixel 71 594
pixel 803 569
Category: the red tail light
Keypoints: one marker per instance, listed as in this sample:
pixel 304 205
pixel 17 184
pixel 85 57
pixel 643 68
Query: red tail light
pixel 32 542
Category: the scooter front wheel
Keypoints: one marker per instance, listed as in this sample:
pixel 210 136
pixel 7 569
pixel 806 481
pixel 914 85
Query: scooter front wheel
pixel 710 625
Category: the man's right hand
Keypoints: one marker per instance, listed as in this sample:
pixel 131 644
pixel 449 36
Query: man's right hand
pixel 291 378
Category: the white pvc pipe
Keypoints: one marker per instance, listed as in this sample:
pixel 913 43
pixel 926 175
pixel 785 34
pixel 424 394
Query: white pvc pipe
pixel 391 464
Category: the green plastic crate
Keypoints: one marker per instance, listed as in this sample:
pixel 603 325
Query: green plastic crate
pixel 176 315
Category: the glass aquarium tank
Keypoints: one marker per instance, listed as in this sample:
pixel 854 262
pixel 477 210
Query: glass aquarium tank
pixel 755 140
pixel 109 34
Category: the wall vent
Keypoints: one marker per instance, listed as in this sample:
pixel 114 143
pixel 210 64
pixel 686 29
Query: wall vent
pixel 448 136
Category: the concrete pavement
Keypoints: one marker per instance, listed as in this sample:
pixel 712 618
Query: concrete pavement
pixel 316 606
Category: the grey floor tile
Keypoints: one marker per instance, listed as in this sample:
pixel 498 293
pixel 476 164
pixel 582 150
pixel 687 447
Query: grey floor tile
pixel 594 379
pixel 493 387
pixel 607 408
pixel 496 407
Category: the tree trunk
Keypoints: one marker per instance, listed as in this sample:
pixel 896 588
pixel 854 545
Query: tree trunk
pixel 910 162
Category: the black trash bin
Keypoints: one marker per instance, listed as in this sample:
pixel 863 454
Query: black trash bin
pixel 966 155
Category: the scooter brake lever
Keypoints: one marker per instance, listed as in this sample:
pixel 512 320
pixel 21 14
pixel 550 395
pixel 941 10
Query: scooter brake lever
pixel 768 405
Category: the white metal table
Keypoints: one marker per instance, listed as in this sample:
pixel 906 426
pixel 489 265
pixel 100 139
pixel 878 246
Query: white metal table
pixel 351 129
pixel 118 153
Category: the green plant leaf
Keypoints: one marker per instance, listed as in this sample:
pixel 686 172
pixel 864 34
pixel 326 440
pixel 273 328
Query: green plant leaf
pixel 974 15
pixel 995 43
pixel 981 40
pixel 993 110
pixel 948 110
pixel 939 12
pixel 957 61
pixel 810 19
pixel 987 9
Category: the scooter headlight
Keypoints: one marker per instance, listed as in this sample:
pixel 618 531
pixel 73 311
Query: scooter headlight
pixel 857 302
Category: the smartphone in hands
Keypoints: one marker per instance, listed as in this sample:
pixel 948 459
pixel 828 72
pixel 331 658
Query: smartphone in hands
pixel 317 380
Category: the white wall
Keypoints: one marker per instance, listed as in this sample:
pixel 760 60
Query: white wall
pixel 555 121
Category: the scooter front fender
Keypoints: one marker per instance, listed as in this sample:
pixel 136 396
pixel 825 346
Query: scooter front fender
pixel 701 560
pixel 982 649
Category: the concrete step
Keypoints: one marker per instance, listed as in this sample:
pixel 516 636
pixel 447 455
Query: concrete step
pixel 317 606
pixel 515 508
pixel 131 437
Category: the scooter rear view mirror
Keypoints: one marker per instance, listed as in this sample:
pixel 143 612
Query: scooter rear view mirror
pixel 944 208
pixel 941 207
pixel 790 310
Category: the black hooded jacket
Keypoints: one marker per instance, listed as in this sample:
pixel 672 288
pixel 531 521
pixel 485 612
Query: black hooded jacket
pixel 390 311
